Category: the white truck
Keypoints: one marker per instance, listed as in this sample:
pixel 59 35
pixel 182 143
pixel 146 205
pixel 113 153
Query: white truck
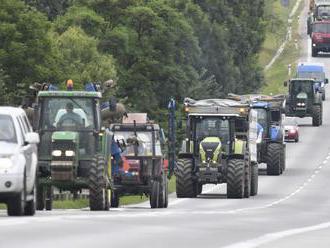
pixel 18 162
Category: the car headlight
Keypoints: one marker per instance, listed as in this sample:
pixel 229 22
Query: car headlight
pixel 6 163
pixel 69 153
pixel 56 153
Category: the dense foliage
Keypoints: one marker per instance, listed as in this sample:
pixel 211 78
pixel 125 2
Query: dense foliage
pixel 154 49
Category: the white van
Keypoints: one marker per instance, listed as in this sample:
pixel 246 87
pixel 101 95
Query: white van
pixel 18 162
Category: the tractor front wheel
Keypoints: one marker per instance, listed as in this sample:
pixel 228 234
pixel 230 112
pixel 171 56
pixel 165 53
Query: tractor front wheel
pixel 185 185
pixel 235 178
pixel 97 184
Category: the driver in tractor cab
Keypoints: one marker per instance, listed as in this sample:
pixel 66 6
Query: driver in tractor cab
pixel 70 116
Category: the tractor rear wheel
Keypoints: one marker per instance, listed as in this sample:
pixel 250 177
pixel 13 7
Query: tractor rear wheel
pixel 154 194
pixel 283 158
pixel 273 159
pixel 185 185
pixel 247 175
pixel 199 188
pixel 317 115
pixel 235 178
pixel 49 198
pixel 114 201
pixel 163 192
pixel 40 198
pixel 97 184
pixel 254 179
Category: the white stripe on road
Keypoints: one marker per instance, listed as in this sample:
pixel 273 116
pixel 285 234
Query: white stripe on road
pixel 271 237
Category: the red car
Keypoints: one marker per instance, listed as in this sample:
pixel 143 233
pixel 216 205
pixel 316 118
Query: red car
pixel 291 129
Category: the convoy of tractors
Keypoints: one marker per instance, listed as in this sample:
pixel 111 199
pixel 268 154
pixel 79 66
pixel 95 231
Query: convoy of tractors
pixel 91 143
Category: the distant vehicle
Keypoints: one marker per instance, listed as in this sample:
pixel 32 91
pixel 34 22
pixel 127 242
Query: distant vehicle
pixel 18 162
pixel 291 129
pixel 320 12
pixel 314 71
pixel 320 37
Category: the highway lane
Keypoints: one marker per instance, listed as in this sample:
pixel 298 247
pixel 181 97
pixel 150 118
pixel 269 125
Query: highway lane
pixel 287 212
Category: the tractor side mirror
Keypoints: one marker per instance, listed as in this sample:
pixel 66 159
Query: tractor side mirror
pixel 285 83
pixel 326 81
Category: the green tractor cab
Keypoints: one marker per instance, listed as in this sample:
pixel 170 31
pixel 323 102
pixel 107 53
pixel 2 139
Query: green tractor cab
pixel 304 100
pixel 217 149
pixel 72 149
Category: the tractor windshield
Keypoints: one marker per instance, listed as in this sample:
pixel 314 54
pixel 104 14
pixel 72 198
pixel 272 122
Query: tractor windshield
pixel 73 114
pixel 139 143
pixel 209 126
pixel 302 87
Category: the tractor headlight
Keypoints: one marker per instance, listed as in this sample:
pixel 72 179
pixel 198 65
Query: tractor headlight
pixel 56 153
pixel 69 153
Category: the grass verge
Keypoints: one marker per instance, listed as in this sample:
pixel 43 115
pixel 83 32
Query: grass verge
pixel 278 73
pixel 276 17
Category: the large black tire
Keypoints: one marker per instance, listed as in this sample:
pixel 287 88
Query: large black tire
pixel 254 179
pixel 283 158
pixel 273 159
pixel 247 175
pixel 185 185
pixel 323 95
pixel 97 184
pixel 235 178
pixel 163 192
pixel 314 52
pixel 49 198
pixel 40 198
pixel 30 207
pixel 317 115
pixel 115 200
pixel 154 194
pixel 199 188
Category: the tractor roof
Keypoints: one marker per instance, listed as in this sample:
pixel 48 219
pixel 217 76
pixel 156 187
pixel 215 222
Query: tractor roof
pixel 310 67
pixel 70 94
pixel 216 107
pixel 260 101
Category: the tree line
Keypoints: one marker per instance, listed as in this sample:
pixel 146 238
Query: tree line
pixel 153 49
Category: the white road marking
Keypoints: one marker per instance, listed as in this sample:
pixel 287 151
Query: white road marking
pixel 271 237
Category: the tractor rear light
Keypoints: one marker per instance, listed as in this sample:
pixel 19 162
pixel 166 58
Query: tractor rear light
pixel 56 153
pixel 69 153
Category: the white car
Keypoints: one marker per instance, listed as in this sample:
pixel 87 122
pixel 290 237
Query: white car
pixel 18 162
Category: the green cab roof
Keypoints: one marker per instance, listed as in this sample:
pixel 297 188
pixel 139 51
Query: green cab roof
pixel 69 94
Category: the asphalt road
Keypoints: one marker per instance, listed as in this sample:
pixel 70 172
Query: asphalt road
pixel 292 210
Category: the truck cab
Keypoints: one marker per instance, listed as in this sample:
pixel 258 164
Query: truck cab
pixel 320 35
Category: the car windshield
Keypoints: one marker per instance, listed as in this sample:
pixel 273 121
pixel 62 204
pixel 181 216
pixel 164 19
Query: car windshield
pixel 318 76
pixel 139 143
pixel 7 129
pixel 321 28
pixel 68 113
pixel 212 127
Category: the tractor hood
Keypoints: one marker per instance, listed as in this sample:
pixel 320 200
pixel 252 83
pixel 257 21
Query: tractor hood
pixel 210 149
pixel 65 136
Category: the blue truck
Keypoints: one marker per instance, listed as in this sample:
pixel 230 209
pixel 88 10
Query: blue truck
pixel 314 71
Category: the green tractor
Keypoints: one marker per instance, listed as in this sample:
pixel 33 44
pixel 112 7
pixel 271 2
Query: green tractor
pixel 304 100
pixel 73 150
pixel 219 148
